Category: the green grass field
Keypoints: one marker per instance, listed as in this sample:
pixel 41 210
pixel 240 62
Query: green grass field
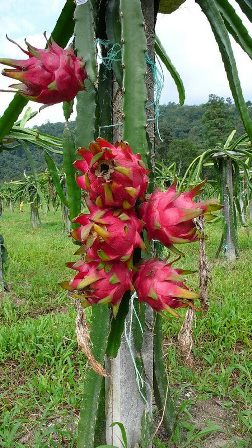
pixel 42 371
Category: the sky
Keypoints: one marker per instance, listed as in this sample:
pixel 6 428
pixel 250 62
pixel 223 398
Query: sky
pixel 185 34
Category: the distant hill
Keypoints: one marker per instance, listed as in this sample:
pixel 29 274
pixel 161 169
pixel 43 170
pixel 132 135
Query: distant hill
pixel 13 163
pixel 185 131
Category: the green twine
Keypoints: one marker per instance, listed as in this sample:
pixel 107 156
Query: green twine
pixel 158 81
pixel 114 54
pixel 109 126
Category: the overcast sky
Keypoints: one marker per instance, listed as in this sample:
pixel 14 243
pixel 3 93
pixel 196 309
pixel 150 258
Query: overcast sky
pixel 185 34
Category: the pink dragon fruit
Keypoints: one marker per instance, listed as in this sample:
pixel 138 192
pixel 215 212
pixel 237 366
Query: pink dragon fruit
pixel 48 76
pixel 113 175
pixel 161 286
pixel 108 234
pixel 99 283
pixel 168 216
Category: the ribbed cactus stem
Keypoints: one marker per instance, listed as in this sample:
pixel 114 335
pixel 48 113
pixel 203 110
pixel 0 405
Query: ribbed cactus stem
pixel 85 44
pixel 72 190
pixel 134 90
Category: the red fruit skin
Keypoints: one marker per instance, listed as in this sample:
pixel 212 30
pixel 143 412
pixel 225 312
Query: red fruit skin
pixel 48 76
pixel 113 175
pixel 108 283
pixel 168 216
pixel 109 234
pixel 161 286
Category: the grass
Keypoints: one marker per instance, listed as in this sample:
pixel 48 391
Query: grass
pixel 223 347
pixel 40 365
pixel 42 371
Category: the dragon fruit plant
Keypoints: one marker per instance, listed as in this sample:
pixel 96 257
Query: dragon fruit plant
pixel 114 179
pixel 48 76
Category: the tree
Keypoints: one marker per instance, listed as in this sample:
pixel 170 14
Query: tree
pixel 28 190
pixel 182 152
pixel 217 120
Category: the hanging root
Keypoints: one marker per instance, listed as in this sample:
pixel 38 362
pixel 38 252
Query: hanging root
pixel 185 337
pixel 83 340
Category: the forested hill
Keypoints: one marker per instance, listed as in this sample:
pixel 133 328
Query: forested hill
pixel 185 131
pixel 13 163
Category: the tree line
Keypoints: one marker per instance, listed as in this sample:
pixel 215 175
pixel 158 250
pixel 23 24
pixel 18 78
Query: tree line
pixel 184 131
pixel 187 131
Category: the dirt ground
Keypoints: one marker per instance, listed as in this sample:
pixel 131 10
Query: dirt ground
pixel 212 410
pixel 207 413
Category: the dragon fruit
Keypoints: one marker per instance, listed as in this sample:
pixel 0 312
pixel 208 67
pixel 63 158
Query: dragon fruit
pixel 113 175
pixel 168 216
pixel 108 234
pixel 48 76
pixel 98 282
pixel 161 286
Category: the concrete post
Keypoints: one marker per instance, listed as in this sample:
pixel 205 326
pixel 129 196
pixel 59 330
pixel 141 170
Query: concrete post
pixel 125 401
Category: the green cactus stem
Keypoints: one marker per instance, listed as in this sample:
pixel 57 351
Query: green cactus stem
pixel 93 382
pixel 73 191
pixel 85 45
pixel 104 106
pixel 87 125
pixel 113 28
pixel 134 101
pixel 169 6
pixel 134 48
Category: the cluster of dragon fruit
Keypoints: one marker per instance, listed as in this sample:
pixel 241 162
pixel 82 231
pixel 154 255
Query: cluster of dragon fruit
pixel 115 180
pixel 120 211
